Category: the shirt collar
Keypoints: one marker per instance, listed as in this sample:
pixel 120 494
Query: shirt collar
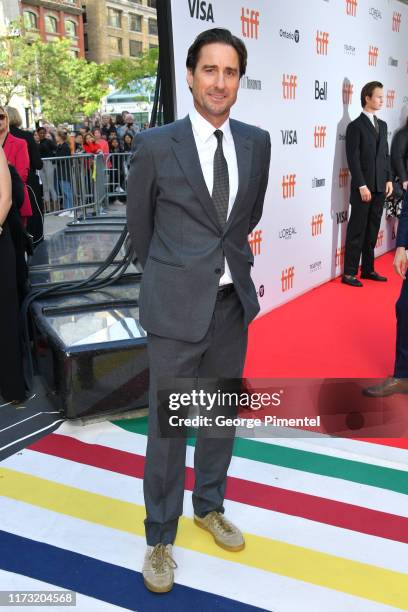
pixel 203 128
pixel 369 115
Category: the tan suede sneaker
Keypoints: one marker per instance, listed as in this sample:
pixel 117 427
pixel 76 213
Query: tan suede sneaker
pixel 223 531
pixel 158 566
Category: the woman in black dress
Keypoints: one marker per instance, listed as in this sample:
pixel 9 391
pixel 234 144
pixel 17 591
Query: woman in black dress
pixel 12 388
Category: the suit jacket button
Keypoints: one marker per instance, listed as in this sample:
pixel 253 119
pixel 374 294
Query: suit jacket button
pixel 217 270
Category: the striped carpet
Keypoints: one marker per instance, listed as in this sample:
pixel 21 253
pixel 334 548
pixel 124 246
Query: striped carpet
pixel 326 524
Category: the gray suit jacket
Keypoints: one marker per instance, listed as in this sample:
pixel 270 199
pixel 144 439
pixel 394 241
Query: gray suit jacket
pixel 175 232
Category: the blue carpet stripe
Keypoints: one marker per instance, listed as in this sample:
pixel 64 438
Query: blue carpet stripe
pixel 104 581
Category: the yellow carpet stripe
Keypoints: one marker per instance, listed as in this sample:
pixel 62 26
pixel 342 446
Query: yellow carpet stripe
pixel 351 577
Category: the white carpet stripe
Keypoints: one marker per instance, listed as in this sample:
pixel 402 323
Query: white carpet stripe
pixel 345 491
pixel 16 582
pixel 256 587
pixel 264 523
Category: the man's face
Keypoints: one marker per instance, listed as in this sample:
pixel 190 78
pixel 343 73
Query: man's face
pixel 129 119
pixel 375 102
pixel 215 82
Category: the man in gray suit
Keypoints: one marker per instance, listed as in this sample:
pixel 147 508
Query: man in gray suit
pixel 196 190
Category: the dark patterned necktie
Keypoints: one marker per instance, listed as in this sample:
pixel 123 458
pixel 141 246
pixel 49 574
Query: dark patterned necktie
pixel 220 193
pixel 376 125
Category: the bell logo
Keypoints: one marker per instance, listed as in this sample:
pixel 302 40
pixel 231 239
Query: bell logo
pixel 287 279
pixel 317 224
pixel 322 42
pixel 372 55
pixel 339 256
pixel 288 186
pixel 380 239
pixel 347 93
pixel 250 23
pixel 200 10
pixel 255 239
pixel 390 98
pixel 319 136
pixel 343 177
pixel 396 22
pixel 289 85
pixel 351 7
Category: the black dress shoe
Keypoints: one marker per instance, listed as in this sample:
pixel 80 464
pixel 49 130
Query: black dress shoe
pixel 390 386
pixel 373 276
pixel 351 280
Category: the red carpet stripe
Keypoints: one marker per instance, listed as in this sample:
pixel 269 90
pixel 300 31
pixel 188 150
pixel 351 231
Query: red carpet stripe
pixel 330 512
pixel 393 442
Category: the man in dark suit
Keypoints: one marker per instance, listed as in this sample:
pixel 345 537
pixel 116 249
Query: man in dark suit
pixel 369 165
pixel 398 383
pixel 196 190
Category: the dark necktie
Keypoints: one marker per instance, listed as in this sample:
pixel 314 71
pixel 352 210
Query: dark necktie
pixel 377 127
pixel 220 193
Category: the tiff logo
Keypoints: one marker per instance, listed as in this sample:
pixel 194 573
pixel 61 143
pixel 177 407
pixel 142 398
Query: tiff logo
pixel 380 239
pixel 372 55
pixel 396 21
pixel 339 256
pixel 317 224
pixel 289 84
pixel 255 239
pixel 322 42
pixel 390 98
pixel 287 279
pixel 250 23
pixel 347 93
pixel 351 7
pixel 343 177
pixel 319 136
pixel 288 186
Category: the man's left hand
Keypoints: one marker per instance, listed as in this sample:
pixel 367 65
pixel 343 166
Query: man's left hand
pixel 388 188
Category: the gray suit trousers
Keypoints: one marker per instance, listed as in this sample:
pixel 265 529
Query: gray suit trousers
pixel 221 353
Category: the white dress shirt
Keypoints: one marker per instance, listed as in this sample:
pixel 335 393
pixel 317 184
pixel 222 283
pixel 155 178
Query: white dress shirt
pixel 370 116
pixel 206 144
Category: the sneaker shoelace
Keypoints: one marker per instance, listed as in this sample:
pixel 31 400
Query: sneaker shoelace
pixel 161 559
pixel 221 523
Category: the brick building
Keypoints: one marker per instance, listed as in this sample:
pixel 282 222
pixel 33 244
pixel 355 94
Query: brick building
pixel 55 19
pixel 119 28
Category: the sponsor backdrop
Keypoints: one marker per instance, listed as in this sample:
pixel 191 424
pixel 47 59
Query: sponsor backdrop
pixel 307 64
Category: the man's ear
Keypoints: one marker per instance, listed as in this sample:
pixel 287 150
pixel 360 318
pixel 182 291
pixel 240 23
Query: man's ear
pixel 189 78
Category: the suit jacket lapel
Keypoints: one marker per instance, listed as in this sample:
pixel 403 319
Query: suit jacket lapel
pixel 369 126
pixel 185 150
pixel 243 149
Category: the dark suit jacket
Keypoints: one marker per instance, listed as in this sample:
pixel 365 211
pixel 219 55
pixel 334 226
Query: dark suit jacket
pixel 402 233
pixel 368 158
pixel 175 231
pixel 399 154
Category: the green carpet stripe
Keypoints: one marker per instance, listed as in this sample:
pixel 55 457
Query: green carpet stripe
pixel 314 463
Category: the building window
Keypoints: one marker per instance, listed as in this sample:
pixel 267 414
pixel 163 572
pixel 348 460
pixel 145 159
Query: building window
pixel 86 44
pixel 114 18
pixel 151 3
pixel 51 24
pixel 30 20
pixel 153 46
pixel 135 48
pixel 115 45
pixel 135 23
pixel 152 27
pixel 136 1
pixel 70 28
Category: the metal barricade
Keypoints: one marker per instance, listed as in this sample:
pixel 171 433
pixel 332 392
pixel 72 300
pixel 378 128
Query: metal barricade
pixel 72 185
pixel 116 175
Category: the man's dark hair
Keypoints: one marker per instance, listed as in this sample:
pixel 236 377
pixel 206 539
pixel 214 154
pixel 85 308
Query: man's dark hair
pixel 216 35
pixel 368 90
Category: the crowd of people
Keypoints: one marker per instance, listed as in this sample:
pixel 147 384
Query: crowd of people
pixel 31 183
